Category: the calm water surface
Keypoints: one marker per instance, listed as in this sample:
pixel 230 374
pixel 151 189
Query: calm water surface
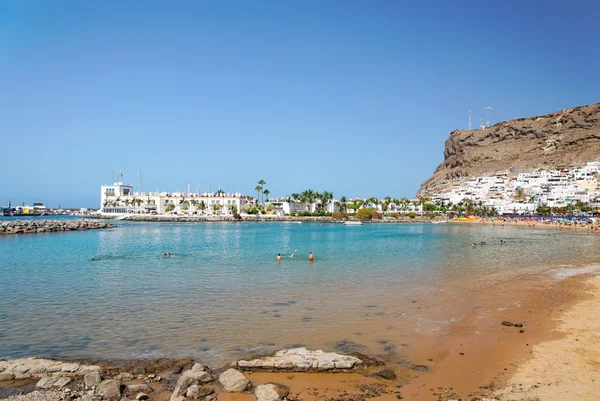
pixel 222 295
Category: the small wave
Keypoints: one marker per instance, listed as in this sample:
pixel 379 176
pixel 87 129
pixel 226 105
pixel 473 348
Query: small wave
pixel 563 273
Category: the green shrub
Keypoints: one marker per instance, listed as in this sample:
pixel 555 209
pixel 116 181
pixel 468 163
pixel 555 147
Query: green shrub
pixel 395 215
pixel 376 215
pixel 170 208
pixel 253 211
pixel 270 207
pixel 364 214
pixel 304 213
pixel 412 215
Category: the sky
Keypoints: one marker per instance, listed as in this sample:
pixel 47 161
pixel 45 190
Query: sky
pixel 352 97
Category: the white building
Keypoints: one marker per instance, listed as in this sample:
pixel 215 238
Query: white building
pixel 120 198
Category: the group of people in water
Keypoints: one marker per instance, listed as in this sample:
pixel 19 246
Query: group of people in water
pixel 311 257
pixel 502 242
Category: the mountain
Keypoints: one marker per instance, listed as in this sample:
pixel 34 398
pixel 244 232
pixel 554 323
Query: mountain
pixel 563 138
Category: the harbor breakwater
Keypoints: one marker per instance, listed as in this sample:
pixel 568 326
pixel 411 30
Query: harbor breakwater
pixel 46 226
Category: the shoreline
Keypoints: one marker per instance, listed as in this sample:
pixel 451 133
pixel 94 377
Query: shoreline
pixel 485 359
pixel 529 223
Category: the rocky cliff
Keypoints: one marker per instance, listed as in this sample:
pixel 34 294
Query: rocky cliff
pixel 563 138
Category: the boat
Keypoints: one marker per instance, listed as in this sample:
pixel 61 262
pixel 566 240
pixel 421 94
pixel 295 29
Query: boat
pixel 353 223
pixel 438 222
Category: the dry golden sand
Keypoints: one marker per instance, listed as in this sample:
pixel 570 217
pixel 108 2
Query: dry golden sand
pixel 566 368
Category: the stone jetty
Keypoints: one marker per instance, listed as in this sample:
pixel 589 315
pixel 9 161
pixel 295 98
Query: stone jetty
pixel 48 226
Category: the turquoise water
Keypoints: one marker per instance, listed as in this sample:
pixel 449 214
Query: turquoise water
pixel 222 295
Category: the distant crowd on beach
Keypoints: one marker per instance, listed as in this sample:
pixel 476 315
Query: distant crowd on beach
pixel 589 224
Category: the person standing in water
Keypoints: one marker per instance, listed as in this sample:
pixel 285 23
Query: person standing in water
pixel 311 257
pixel 278 258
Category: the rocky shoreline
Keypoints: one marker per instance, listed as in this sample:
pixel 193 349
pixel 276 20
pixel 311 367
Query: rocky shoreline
pixel 37 379
pixel 256 218
pixel 47 226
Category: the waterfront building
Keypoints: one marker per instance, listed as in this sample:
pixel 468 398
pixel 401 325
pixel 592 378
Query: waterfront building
pixel 120 198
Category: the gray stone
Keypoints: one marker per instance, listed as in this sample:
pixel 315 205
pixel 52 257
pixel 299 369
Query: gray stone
pixel 188 379
pixel 46 382
pixel 6 376
pixel 92 379
pixel 142 396
pixel 198 367
pixel 233 381
pixel 387 374
pixel 69 367
pixel 124 376
pixel 301 359
pixel 138 388
pixel 62 381
pixel 109 389
pixel 271 392
pixel 197 392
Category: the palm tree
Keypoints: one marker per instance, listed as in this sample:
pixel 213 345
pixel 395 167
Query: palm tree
pixel 262 184
pixel 520 195
pixel 295 197
pixel 257 189
pixel 422 201
pixel 403 202
pixel 309 197
pixel 266 193
pixel 201 205
pixel 342 204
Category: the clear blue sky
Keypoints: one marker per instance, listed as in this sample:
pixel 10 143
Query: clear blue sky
pixel 354 97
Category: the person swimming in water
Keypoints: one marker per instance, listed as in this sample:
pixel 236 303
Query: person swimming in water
pixel 293 255
pixel 311 257
pixel 473 245
pixel 278 257
pixel 501 242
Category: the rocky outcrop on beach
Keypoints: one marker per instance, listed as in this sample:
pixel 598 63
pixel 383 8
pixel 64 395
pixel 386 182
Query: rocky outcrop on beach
pixel 48 226
pixel 564 138
pixel 184 380
pixel 301 360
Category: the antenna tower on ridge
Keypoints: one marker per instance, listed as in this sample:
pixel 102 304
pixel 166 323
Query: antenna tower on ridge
pixel 469 120
pixel 488 108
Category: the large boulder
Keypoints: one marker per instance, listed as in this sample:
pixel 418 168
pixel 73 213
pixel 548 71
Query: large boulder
pixel 188 379
pixel 138 388
pixel 197 392
pixel 6 376
pixel 301 359
pixel 234 381
pixel 92 379
pixel 271 392
pixel 109 390
pixel 49 382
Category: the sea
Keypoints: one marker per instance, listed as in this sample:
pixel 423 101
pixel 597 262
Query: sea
pixel 221 295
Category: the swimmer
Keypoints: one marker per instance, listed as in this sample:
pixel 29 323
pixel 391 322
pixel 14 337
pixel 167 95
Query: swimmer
pixel 293 255
pixel 501 242
pixel 278 257
pixel 473 245
pixel 482 242
pixel 311 257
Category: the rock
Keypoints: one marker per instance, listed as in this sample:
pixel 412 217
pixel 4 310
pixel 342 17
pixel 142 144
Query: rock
pixel 507 323
pixel 301 359
pixel 92 379
pixel 234 381
pixel 69 367
pixel 124 376
pixel 62 381
pixel 49 382
pixel 6 376
pixel 142 396
pixel 521 331
pixel 139 370
pixel 138 388
pixel 518 324
pixel 387 374
pixel 188 379
pixel 109 389
pixel 197 392
pixel 198 367
pixel 271 392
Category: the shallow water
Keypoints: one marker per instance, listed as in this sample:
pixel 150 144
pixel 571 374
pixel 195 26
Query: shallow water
pixel 373 288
